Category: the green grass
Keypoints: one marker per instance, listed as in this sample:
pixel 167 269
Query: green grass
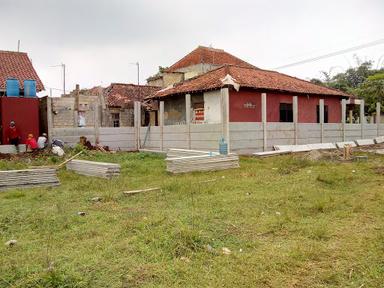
pixel 288 222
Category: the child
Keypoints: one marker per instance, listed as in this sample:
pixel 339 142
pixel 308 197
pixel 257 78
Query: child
pixel 31 143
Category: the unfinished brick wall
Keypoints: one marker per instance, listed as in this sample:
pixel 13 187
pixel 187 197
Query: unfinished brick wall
pixel 63 112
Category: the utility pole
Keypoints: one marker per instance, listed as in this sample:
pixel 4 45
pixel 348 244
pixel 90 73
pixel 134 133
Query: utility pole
pixel 138 79
pixel 138 73
pixel 63 65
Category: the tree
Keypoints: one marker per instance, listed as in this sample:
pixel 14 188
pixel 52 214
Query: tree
pixel 362 81
pixel 372 91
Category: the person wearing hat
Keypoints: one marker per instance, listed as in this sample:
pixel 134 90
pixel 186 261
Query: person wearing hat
pixel 42 141
pixel 13 135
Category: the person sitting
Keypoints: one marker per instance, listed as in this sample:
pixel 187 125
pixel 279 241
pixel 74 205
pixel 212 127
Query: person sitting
pixel 13 136
pixel 31 143
pixel 42 141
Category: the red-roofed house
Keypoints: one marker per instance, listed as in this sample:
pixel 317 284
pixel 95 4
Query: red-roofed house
pixel 24 111
pixel 17 65
pixel 246 84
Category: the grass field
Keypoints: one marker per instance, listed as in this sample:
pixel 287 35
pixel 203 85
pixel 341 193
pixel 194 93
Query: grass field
pixel 288 222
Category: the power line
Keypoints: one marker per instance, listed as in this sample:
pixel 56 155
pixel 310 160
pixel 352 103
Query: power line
pixel 332 54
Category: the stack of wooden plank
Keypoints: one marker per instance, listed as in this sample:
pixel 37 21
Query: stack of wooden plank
pixel 173 153
pixel 202 163
pixel 28 178
pixel 96 169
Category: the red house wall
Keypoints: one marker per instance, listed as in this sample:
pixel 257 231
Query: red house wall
pixel 24 111
pixel 306 106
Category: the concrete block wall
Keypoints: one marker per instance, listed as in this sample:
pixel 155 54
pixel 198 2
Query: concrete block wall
pixel 120 138
pixel 245 137
pixel 242 137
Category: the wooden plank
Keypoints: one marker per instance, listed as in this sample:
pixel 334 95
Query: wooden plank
pixel 133 192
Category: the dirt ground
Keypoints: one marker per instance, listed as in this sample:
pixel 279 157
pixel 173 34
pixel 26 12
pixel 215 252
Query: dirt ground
pixel 25 155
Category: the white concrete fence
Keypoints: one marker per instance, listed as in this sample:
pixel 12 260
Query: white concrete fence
pixel 242 137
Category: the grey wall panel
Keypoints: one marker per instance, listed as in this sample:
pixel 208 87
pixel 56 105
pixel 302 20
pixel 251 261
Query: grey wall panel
pixel 246 135
pixel 245 126
pixel 280 134
pixel 280 126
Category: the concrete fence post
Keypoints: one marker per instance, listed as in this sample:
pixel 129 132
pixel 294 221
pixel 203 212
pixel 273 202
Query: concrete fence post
pixel 264 119
pixel 362 117
pixel 343 116
pixel 49 120
pixel 138 124
pixel 295 110
pixel 135 124
pixel 97 124
pixel 161 123
pixel 225 116
pixel 188 118
pixel 378 117
pixel 321 116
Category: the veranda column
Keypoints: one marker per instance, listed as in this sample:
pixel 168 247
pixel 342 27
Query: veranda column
pixel 378 117
pixel 362 117
pixel 264 119
pixel 343 115
pixel 295 117
pixel 225 116
pixel 321 116
pixel 161 122
pixel 188 118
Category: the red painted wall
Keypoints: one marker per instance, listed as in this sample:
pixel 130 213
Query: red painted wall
pixel 237 112
pixel 24 111
pixel 307 107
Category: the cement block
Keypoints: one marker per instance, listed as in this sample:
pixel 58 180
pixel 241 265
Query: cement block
pixel 321 146
pixel 379 140
pixel 292 148
pixel 11 149
pixel 364 142
pixel 341 145
pixel 270 153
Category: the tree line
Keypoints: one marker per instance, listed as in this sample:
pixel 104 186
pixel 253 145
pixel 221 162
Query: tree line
pixel 363 81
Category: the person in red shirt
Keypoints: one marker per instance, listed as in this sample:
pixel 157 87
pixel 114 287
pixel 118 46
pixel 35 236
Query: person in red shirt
pixel 31 143
pixel 13 136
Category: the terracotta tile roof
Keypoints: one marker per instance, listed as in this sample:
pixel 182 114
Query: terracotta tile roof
pixel 123 95
pixel 207 55
pixel 17 65
pixel 250 78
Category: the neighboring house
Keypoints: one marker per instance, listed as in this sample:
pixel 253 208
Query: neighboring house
pixel 19 105
pixel 245 87
pixel 111 106
pixel 197 62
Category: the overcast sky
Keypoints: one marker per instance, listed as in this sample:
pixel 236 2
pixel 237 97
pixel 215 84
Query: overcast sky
pixel 98 39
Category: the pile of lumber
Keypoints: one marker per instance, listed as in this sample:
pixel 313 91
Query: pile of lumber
pixel 28 178
pixel 202 163
pixel 96 169
pixel 173 153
